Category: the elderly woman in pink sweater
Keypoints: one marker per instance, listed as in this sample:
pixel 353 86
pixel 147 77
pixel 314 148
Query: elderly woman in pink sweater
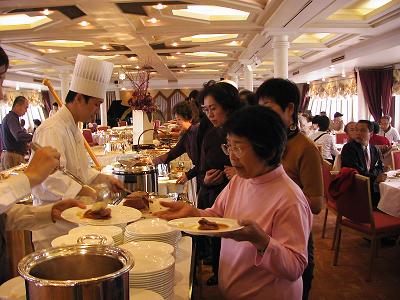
pixel 266 258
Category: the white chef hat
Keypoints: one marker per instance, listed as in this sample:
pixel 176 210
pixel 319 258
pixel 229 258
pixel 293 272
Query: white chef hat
pixel 91 76
pixel 231 83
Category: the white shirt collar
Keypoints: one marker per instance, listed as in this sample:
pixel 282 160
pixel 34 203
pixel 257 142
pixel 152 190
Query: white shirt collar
pixel 67 117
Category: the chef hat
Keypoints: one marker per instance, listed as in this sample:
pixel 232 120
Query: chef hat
pixel 231 83
pixel 91 76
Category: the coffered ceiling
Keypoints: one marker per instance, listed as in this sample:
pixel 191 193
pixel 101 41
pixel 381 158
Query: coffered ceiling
pixel 184 43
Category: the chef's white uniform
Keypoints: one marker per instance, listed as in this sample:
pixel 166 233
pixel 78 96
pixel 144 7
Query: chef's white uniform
pixel 62 133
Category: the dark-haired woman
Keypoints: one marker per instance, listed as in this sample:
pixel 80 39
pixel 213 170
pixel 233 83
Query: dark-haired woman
pixel 301 159
pixel 220 101
pixel 186 144
pixel 266 258
pixel 322 137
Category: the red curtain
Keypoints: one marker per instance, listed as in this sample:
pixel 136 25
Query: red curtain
pixel 377 89
pixel 304 97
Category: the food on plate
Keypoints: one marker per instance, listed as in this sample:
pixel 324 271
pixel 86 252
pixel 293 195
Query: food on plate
pixel 102 214
pixel 205 224
pixel 139 200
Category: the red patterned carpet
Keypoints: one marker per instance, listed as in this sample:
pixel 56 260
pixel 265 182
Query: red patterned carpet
pixel 347 280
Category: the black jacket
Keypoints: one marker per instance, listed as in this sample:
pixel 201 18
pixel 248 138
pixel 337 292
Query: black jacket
pixel 353 157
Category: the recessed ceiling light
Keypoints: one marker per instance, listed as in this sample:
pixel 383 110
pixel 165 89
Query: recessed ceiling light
pixel 211 13
pixel 62 43
pixel 132 58
pixel 137 67
pixel 104 47
pixel 21 21
pixel 153 20
pixel 84 23
pixel 159 6
pixel 174 44
pixel 46 12
pixel 183 66
pixel 178 53
pixel 206 54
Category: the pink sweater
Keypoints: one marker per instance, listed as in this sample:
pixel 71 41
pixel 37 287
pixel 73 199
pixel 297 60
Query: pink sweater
pixel 278 205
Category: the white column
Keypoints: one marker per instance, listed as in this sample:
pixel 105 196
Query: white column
pixel 65 82
pixel 248 78
pixel 280 47
pixel 117 95
pixel 103 112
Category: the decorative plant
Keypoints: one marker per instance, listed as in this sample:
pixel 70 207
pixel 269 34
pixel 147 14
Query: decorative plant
pixel 141 98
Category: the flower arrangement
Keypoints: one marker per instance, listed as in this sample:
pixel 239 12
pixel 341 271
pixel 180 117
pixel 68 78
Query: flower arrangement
pixel 141 98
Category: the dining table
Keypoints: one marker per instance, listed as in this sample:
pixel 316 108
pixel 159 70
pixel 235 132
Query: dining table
pixel 389 190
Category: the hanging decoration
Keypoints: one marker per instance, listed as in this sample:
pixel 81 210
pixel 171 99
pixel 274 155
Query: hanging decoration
pixel 334 88
pixel 34 96
pixel 396 82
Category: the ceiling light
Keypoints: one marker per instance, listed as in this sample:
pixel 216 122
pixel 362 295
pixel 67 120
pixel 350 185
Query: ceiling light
pixel 205 63
pixel 121 76
pixel 332 68
pixel 62 43
pixel 211 13
pixel 174 44
pixel 84 23
pixel 46 12
pixel 178 53
pixel 17 87
pixel 343 74
pixel 159 6
pixel 132 58
pixel 203 38
pixel 21 21
pixel 153 20
pixel 183 66
pixel 123 89
pixel 103 57
pixel 137 67
pixel 104 47
pixel 323 78
pixel 206 54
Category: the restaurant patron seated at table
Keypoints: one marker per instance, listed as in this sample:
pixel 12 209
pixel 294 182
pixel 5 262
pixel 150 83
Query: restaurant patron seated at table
pixel 266 258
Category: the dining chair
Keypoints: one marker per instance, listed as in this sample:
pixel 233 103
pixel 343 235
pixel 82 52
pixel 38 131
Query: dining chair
pixel 341 138
pixel 396 159
pixel 87 134
pixel 355 215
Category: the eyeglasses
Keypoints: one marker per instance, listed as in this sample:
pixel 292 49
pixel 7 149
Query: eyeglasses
pixel 207 110
pixel 236 150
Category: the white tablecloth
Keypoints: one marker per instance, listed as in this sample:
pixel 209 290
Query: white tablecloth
pixel 390 197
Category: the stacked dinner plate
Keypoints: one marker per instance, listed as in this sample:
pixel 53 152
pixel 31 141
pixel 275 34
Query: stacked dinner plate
pixel 148 245
pixel 114 231
pixel 153 270
pixel 87 239
pixel 152 230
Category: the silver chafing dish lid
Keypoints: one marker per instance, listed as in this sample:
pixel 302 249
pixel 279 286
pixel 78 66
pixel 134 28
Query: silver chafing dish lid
pixel 133 167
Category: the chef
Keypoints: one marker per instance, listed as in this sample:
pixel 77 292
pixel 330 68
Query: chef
pixel 87 91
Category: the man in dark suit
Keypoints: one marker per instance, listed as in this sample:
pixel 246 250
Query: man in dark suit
pixel 365 158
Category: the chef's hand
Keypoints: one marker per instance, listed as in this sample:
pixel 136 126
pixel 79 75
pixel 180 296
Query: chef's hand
pixel 115 184
pixel 251 232
pixel 182 180
pixel 60 206
pixel 229 172
pixel 177 210
pixel 214 177
pixel 43 163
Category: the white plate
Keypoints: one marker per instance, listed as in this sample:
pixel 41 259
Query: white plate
pixel 148 245
pixel 190 225
pixel 151 262
pixel 142 294
pixel 150 227
pixel 13 289
pixel 114 231
pixel 119 215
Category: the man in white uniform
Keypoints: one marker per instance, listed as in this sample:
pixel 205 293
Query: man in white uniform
pixel 88 88
pixel 388 131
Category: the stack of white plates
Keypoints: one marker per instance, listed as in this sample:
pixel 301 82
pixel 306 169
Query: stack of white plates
pixel 141 294
pixel 152 230
pixel 88 239
pixel 114 231
pixel 133 247
pixel 153 270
